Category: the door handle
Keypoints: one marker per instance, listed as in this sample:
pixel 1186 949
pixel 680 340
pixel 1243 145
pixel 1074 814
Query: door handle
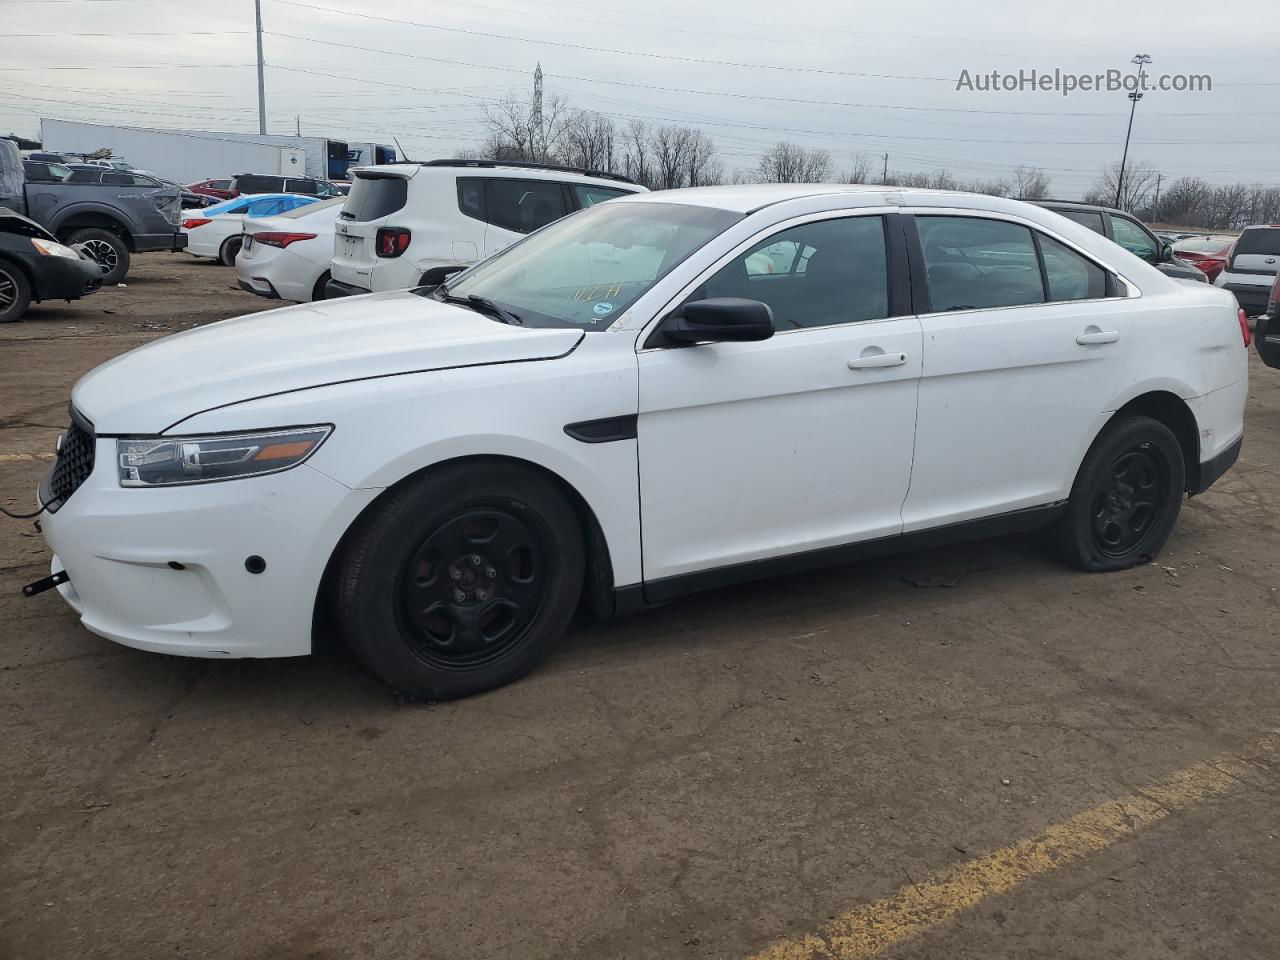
pixel 878 360
pixel 1097 336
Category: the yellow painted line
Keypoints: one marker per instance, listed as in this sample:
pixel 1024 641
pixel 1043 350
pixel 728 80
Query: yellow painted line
pixel 18 457
pixel 869 930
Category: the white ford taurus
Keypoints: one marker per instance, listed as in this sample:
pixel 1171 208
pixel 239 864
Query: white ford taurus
pixel 658 394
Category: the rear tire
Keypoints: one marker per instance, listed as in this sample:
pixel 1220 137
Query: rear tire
pixel 15 293
pixel 317 292
pixel 108 249
pixel 1125 499
pixel 461 580
pixel 229 250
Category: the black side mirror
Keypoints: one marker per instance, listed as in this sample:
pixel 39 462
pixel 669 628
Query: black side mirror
pixel 1266 335
pixel 719 319
pixel 1166 252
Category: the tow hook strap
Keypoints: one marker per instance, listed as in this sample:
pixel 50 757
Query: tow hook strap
pixel 45 583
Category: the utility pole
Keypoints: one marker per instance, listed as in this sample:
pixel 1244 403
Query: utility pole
pixel 297 124
pixel 884 177
pixel 1155 208
pixel 1141 60
pixel 539 135
pixel 262 89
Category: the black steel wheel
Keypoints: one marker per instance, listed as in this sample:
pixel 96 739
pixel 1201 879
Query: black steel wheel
pixel 1126 497
pixel 473 587
pixel 462 579
pixel 109 251
pixel 15 292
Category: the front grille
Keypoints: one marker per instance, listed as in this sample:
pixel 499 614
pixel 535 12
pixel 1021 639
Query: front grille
pixel 75 461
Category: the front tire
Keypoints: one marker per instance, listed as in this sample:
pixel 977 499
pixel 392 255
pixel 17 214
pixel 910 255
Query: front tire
pixel 1126 497
pixel 229 250
pixel 108 249
pixel 15 293
pixel 461 580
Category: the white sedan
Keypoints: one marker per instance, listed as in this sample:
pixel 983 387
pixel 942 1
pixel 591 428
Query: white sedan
pixel 286 257
pixel 216 231
pixel 628 406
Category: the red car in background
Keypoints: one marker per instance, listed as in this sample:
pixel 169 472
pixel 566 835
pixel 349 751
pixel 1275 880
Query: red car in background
pixel 1208 254
pixel 213 188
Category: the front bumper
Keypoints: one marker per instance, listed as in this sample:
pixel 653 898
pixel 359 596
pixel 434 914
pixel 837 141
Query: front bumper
pixel 61 278
pixel 151 242
pixel 165 569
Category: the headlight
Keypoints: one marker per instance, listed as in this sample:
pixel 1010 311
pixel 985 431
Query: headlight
pixel 166 461
pixel 51 249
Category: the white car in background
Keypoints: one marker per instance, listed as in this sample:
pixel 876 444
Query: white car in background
pixel 412 224
pixel 286 257
pixel 1251 267
pixel 216 231
pixel 631 405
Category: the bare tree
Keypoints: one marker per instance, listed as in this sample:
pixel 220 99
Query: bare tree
pixel 792 163
pixel 859 170
pixel 1139 182
pixel 515 134
pixel 637 163
pixel 1029 183
pixel 589 141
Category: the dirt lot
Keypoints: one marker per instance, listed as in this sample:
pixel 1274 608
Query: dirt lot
pixel 840 764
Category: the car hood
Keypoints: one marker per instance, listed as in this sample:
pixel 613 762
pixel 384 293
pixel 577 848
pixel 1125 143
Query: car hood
pixel 354 338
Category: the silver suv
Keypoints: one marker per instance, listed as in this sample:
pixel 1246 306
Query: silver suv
pixel 1251 267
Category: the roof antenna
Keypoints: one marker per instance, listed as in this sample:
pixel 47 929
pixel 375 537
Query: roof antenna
pixel 403 156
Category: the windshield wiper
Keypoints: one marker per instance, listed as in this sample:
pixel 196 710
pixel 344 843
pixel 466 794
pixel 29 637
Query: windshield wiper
pixel 480 305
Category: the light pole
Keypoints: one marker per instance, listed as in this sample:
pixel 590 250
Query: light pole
pixel 1135 95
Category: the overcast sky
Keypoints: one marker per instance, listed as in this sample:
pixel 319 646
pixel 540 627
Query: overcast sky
pixel 851 77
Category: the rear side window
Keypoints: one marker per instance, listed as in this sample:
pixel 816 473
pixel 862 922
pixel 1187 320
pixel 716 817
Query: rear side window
pixel 266 208
pixel 257 183
pixel 305 187
pixel 523 205
pixel 372 198
pixel 972 263
pixel 1086 218
pixel 471 196
pixel 85 176
pixel 219 185
pixel 590 196
pixel 1069 275
pixel 1264 241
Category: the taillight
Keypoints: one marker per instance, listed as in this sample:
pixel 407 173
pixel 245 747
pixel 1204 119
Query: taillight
pixel 195 222
pixel 281 240
pixel 392 241
pixel 1244 327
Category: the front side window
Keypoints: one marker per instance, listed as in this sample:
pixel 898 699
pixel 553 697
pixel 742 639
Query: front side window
pixel 586 270
pixel 1134 239
pixel 1069 275
pixel 813 275
pixel 523 205
pixel 973 263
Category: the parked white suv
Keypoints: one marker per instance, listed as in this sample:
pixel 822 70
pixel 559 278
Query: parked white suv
pixel 630 405
pixel 1251 267
pixel 409 224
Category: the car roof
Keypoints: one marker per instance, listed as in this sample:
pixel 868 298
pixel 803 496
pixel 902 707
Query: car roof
pixel 407 170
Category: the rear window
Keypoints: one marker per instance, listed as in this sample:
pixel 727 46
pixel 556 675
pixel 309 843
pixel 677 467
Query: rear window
pixel 372 198
pixel 1086 218
pixel 309 208
pixel 1264 240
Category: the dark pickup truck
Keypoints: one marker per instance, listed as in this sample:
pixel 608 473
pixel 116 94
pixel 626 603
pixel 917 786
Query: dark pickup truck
pixel 111 220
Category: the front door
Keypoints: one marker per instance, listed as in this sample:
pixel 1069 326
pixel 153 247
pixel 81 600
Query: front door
pixel 756 450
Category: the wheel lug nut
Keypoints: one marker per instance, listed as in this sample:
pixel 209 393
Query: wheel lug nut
pixel 475 560
pixel 490 572
pixel 459 596
pixel 481 594
pixel 456 575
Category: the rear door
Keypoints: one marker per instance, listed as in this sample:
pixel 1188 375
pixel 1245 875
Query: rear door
pixel 513 208
pixel 1257 252
pixel 375 197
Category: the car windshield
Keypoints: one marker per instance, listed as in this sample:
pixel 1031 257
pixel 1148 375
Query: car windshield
pixel 585 270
